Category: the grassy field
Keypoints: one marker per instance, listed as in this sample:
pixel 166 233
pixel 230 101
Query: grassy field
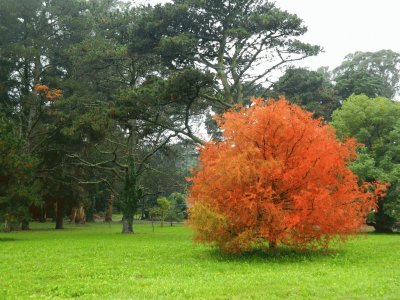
pixel 95 261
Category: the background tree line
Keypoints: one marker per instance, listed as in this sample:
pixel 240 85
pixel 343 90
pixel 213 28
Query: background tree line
pixel 102 102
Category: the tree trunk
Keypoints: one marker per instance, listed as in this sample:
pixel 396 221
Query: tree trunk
pixel 91 210
pixel 383 223
pixel 272 244
pixel 43 214
pixel 73 215
pixel 81 215
pixel 7 226
pixel 382 228
pixel 142 210
pixel 108 216
pixel 127 224
pixel 60 214
pixel 25 224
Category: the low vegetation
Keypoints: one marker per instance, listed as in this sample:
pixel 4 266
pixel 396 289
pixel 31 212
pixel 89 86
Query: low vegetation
pixel 95 261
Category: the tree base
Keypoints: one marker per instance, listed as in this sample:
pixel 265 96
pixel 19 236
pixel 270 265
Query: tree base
pixel 25 225
pixel 127 225
pixel 380 229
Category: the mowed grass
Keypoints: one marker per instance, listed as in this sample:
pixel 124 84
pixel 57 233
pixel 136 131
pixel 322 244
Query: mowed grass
pixel 95 261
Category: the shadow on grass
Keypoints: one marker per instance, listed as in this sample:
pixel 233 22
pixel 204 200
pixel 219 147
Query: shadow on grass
pixel 7 240
pixel 39 229
pixel 279 255
pixel 47 226
pixel 372 233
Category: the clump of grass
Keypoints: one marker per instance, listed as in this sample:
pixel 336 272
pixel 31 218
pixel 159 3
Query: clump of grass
pixel 95 261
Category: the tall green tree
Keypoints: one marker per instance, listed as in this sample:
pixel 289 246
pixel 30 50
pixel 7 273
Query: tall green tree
pixel 145 108
pixel 375 123
pixel 237 41
pixel 34 36
pixel 309 89
pixel 371 73
pixel 361 82
pixel 18 186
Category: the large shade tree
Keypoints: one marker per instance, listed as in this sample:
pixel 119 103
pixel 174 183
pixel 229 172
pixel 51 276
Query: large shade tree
pixel 241 41
pixel 146 108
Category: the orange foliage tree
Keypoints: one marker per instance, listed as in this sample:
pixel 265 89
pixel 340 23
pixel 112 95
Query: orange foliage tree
pixel 277 177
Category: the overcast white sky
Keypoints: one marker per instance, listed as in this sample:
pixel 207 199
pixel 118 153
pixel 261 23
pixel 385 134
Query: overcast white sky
pixel 343 26
pixel 346 26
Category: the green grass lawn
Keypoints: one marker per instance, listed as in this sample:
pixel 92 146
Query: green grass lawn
pixel 95 261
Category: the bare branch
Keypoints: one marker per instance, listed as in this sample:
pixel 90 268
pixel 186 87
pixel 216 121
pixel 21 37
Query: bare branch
pixel 154 151
pixel 101 180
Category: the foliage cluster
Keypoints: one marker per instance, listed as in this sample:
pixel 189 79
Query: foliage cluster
pixel 278 176
pixel 18 188
pixel 172 209
pixel 375 123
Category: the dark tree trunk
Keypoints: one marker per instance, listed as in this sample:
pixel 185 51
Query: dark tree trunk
pixel 127 224
pixel 42 218
pixel 25 224
pixel 108 216
pixel 91 210
pixel 383 223
pixel 54 217
pixel 60 214
pixel 272 245
pixel 382 228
